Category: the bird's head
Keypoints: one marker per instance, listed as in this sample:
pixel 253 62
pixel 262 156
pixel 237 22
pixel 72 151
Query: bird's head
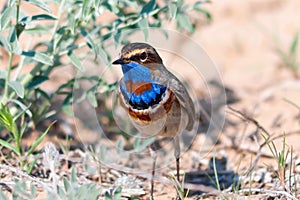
pixel 139 85
pixel 138 55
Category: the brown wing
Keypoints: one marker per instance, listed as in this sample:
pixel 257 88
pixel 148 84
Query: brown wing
pixel 168 79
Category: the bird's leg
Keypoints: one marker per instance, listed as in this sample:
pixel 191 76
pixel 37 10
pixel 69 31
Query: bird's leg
pixel 153 149
pixel 177 155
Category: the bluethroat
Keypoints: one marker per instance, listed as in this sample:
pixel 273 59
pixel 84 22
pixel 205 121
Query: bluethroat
pixel 156 101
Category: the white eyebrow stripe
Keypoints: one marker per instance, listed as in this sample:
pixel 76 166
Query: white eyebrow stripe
pixel 136 52
pixel 132 53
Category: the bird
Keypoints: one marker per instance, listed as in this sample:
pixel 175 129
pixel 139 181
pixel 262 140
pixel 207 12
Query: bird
pixel 156 101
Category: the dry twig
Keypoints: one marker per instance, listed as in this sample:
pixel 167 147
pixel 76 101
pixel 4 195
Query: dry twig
pixel 248 118
pixel 274 192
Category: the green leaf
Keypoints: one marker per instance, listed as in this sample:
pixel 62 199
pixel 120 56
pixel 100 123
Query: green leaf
pixel 37 17
pixel 180 3
pixel 136 143
pixel 117 193
pixel 17 87
pixel 20 27
pixel 204 12
pixel 103 55
pixel 6 17
pixel 3 74
pixel 37 30
pixel 294 45
pixel 9 146
pixel 140 145
pixel 143 24
pixel 3 196
pixel 30 168
pixel 13 44
pixel 184 22
pixel 43 94
pixel 40 4
pixel 120 146
pixel 32 187
pixel 4 42
pixel 199 3
pixel 22 106
pixel 6 120
pixel 13 35
pixel 85 8
pixel 68 110
pixel 108 196
pixel 75 61
pixel 38 56
pixel 148 7
pixel 36 81
pixel 39 140
pixel 88 191
pixel 148 141
pixel 67 185
pixel 73 176
pixel 117 37
pixel 103 153
pixel 92 99
pixel 132 4
pixel 97 49
pixel 60 191
pixel 172 10
pixel 106 88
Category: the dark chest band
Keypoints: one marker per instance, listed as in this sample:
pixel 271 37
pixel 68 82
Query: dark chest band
pixel 145 100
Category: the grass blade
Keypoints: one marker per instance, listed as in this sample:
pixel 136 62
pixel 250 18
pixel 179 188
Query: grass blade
pixel 9 146
pixel 39 140
pixel 294 45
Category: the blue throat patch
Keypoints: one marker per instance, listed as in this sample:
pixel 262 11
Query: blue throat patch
pixel 138 87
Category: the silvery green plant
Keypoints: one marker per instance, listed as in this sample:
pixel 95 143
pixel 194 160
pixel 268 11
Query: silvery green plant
pixel 24 190
pixel 113 194
pixel 51 162
pixel 72 189
pixel 69 189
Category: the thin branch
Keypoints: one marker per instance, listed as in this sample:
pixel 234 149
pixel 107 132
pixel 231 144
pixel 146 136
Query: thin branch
pixel 276 192
pixel 21 173
pixel 286 134
pixel 248 118
pixel 259 127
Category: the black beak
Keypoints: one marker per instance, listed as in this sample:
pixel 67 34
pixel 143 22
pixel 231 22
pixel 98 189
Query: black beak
pixel 119 61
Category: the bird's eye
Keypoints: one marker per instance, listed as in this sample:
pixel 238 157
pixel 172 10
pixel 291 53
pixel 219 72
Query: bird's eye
pixel 143 56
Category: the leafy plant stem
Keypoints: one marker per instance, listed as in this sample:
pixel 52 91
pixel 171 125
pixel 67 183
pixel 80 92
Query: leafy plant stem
pixel 20 65
pixel 18 11
pixel 80 45
pixel 60 12
pixel 4 99
pixel 30 75
pixel 11 55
